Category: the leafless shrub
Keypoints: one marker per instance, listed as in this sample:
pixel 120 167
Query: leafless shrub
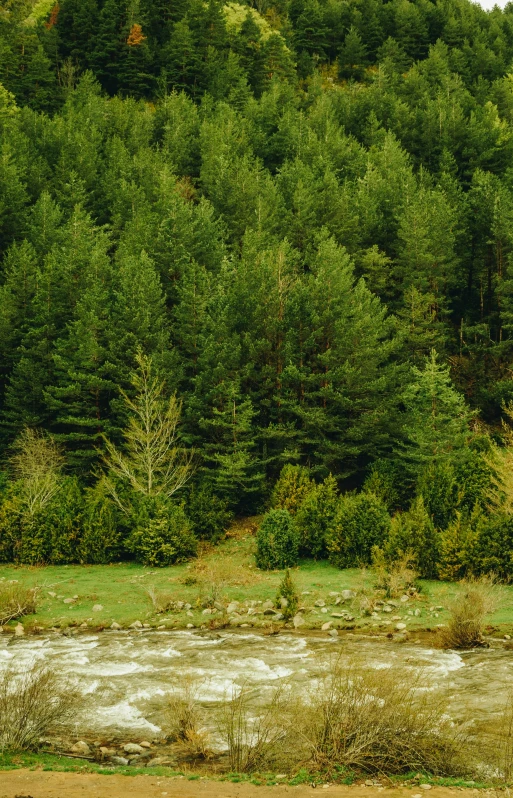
pixel 379 722
pixel 37 464
pixel 477 599
pixel 392 579
pixel 162 601
pixel 256 737
pixel 16 601
pixel 185 719
pixel 497 744
pixel 32 704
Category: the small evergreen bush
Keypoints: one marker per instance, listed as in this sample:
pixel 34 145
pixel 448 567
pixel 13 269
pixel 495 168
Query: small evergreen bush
pixel 288 591
pixel 315 516
pixel 440 492
pixel 293 485
pixel 103 527
pixel 413 535
pixel 208 513
pixel 389 483
pixel 163 535
pixel 362 521
pixel 277 541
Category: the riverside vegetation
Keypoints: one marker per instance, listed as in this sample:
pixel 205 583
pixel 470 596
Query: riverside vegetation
pixel 256 259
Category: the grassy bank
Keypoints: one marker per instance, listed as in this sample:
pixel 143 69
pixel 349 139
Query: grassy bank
pixel 97 596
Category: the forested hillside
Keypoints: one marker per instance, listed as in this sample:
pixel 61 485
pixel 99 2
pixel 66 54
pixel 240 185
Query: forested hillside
pixel 297 217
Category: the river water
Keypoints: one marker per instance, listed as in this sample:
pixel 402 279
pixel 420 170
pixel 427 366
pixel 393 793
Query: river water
pixel 126 676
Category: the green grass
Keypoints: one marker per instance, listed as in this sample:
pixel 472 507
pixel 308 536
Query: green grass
pixel 121 591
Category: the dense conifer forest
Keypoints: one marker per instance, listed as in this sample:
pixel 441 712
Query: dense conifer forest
pixel 253 237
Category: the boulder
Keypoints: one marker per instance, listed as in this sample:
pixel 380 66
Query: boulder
pixel 298 621
pixel 400 626
pixel 69 601
pixel 136 625
pixel 269 611
pixel 404 599
pixel 326 626
pixel 106 752
pixel 268 605
pixel 19 630
pixel 98 608
pixel 119 760
pixel 115 626
pixel 284 603
pixel 348 594
pixel 320 603
pixel 133 748
pixel 145 744
pixel 333 633
pixel 80 748
pixel 190 626
pixel 187 606
pixel 232 607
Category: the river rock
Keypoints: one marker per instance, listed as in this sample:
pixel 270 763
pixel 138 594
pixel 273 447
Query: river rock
pixel 284 603
pixel 278 616
pixel 326 626
pixel 333 593
pixel 52 594
pixel 333 633
pixel 187 606
pixel 133 748
pixel 219 606
pixel 146 625
pixel 80 748
pixel 106 752
pixel 417 613
pixel 404 599
pixel 400 626
pixel 386 608
pixel 115 626
pixel 136 625
pixel 145 744
pixel 232 607
pixel 159 761
pixel 348 594
pixel 298 621
pixel 324 610
pixel 119 760
pixel 208 611
pixel 69 601
pixel 190 626
pixel 19 630
pixel 268 605
pixel 269 611
pixel 320 603
pixel 98 608
pixel 425 786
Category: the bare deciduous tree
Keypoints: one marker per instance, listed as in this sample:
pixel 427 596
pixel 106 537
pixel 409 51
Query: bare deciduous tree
pixel 37 464
pixel 151 461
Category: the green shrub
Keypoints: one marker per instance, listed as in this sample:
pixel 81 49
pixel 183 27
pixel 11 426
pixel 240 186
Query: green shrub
pixel 315 516
pixel 456 545
pixel 475 479
pixel 61 522
pixel 288 591
pixel 389 483
pixel 441 494
pixel 102 533
pixel 11 527
pixel 361 522
pixel 293 485
pixel 277 541
pixel 163 535
pixel 413 534
pixel 208 513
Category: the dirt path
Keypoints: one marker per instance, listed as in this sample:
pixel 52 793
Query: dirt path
pixel 40 784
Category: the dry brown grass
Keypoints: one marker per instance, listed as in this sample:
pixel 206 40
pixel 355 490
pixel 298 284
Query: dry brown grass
pixel 257 737
pixel 16 601
pixel 162 600
pixel 185 719
pixel 32 704
pixel 379 722
pixel 223 572
pixel 477 599
pixel 392 579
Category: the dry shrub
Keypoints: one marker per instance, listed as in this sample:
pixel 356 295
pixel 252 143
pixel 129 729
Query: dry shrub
pixel 393 579
pixel 256 736
pixel 477 600
pixel 379 721
pixel 500 743
pixel 16 601
pixel 32 704
pixel 161 600
pixel 185 719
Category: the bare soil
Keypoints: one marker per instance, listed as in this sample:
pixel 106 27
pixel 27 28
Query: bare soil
pixel 40 784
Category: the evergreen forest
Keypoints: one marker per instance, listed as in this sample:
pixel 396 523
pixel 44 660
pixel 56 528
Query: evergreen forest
pixel 257 255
